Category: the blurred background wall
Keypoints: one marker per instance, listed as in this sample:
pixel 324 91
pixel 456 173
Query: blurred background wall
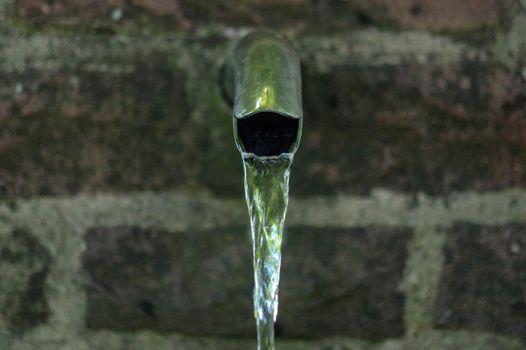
pixel 122 221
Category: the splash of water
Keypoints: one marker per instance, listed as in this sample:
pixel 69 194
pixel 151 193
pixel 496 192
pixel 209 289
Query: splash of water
pixel 267 194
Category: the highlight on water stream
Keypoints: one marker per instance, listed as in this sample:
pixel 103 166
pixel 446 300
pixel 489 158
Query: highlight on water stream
pixel 262 79
pixel 267 192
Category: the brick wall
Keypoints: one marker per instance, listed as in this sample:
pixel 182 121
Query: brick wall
pixel 122 222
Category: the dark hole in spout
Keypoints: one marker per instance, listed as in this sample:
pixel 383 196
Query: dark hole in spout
pixel 267 133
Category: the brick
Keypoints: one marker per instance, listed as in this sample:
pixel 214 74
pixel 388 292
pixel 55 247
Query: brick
pixel 343 282
pixel 446 14
pixel 153 279
pixel 75 131
pixel 334 281
pixel 24 265
pixel 180 15
pixel 288 15
pixel 483 283
pixel 100 15
pixel 430 128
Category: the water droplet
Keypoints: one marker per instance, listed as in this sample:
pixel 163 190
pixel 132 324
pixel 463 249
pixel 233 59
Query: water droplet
pixel 116 14
pixel 19 88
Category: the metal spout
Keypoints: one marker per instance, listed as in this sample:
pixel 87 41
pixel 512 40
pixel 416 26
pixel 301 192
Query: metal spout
pixel 263 79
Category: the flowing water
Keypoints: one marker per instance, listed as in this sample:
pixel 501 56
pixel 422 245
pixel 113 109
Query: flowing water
pixel 267 194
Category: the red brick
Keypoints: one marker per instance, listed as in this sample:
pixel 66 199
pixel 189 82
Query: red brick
pixel 288 15
pixel 411 128
pixel 483 283
pixel 335 281
pixel 23 302
pixel 444 14
pixel 73 131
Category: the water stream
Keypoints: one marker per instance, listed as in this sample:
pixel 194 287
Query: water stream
pixel 267 194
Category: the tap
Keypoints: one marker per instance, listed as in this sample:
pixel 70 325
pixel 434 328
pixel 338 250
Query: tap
pixel 262 78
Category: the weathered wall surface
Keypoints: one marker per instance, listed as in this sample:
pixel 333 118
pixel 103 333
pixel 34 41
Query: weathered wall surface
pixel 122 222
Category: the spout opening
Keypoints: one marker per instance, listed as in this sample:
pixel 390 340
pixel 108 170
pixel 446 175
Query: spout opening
pixel 267 134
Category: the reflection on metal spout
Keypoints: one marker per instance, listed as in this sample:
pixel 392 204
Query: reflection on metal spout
pixel 267 98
